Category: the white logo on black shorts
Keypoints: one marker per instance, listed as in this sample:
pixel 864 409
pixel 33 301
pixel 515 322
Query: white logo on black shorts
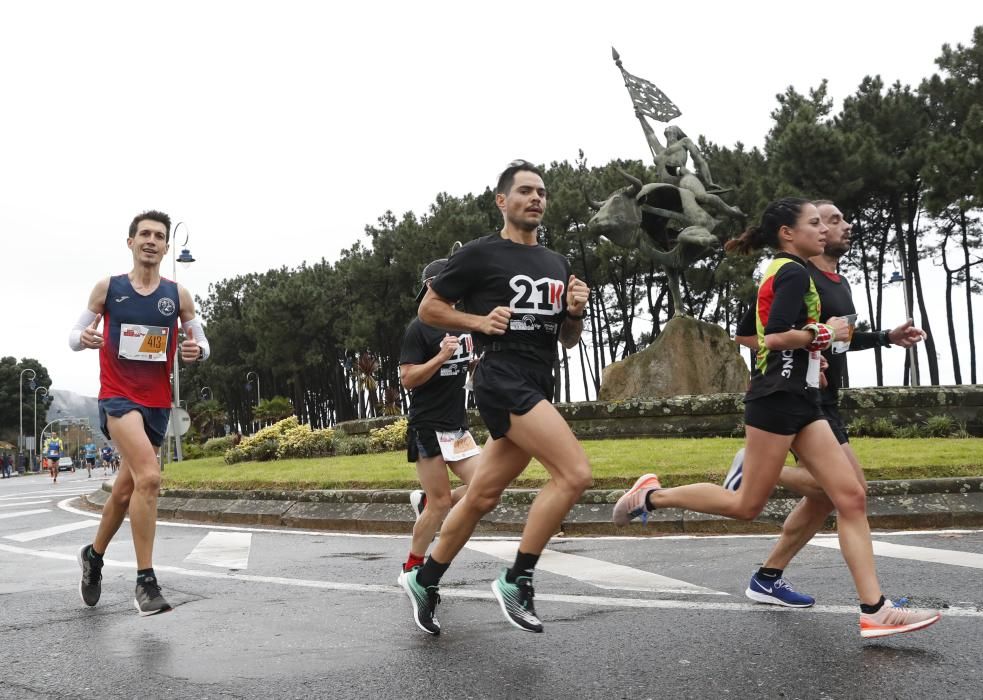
pixel 166 306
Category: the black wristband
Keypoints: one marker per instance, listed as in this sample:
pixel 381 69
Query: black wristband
pixel 886 338
pixel 575 317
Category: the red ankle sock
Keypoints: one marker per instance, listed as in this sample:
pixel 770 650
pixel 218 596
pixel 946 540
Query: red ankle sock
pixel 411 561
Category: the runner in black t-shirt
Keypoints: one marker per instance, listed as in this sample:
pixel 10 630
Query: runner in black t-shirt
pixel 433 366
pixel 768 585
pixel 518 299
pixel 782 412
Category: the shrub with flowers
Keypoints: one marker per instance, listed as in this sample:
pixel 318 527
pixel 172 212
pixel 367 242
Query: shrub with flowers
pixel 389 439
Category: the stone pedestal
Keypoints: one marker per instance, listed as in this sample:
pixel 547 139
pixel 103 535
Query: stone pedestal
pixel 688 357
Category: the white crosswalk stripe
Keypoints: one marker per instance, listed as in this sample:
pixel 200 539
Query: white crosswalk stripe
pixel 51 493
pixel 51 490
pixel 227 550
pixel 21 513
pixel 597 573
pixel 52 531
pixel 20 504
pixel 904 551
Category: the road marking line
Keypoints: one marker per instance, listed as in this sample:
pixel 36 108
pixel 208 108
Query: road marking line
pixel 228 550
pixel 929 554
pixel 50 531
pixel 41 494
pixel 5 516
pixel 597 573
pixel 23 503
pixel 478 594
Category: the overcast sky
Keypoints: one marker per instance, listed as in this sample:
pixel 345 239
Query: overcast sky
pixel 276 131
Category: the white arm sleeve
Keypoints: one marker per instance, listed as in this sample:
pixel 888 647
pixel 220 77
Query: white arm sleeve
pixel 75 335
pixel 198 335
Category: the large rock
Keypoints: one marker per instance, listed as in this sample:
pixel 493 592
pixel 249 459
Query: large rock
pixel 687 357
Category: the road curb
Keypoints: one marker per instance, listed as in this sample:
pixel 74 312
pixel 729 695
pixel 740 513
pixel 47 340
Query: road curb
pixel 904 504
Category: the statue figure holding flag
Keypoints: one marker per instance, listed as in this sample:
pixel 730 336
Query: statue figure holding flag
pixel 671 221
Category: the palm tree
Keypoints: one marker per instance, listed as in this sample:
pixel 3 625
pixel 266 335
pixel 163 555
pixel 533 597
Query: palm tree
pixel 273 410
pixel 208 417
pixel 365 370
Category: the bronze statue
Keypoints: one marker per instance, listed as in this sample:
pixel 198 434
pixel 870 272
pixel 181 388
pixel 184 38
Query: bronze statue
pixel 670 221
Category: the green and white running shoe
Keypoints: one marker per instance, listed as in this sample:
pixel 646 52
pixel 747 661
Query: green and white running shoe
pixel 516 600
pixel 424 601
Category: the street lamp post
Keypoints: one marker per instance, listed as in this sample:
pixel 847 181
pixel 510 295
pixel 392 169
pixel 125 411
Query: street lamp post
pixel 251 372
pixel 40 388
pixel 185 259
pixel 20 439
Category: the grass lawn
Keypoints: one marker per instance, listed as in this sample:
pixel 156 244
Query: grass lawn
pixel 616 464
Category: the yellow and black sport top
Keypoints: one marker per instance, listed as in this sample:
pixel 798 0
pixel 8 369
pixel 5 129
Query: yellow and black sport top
pixel 787 300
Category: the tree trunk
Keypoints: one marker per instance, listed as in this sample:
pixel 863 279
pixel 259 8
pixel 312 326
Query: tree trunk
pixel 926 322
pixel 583 369
pixel 964 226
pixel 950 323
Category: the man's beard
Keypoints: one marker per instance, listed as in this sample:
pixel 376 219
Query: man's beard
pixel 524 224
pixel 836 250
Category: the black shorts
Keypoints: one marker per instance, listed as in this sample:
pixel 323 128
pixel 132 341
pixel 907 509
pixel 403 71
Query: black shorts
pixel 506 384
pixel 422 442
pixel 832 413
pixel 91 461
pixel 155 420
pixel 782 413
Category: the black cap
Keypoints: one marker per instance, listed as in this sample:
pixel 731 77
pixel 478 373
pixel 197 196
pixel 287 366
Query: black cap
pixel 429 272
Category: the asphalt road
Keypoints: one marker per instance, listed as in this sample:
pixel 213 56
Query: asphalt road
pixel 290 614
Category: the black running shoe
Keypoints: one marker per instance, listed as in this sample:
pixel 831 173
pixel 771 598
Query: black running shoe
pixel 424 601
pixel 516 600
pixel 90 587
pixel 148 599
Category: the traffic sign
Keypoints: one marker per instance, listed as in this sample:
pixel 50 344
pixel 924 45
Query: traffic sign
pixel 181 419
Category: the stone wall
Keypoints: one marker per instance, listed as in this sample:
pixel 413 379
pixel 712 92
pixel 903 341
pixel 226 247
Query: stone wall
pixel 721 415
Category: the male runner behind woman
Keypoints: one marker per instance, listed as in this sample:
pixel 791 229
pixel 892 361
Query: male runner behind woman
pixel 136 356
pixel 433 366
pixel 782 412
pixel 768 584
pixel 519 298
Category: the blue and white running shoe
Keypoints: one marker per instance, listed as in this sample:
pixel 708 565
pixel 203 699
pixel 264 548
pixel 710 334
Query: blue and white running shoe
pixel 777 592
pixel 732 481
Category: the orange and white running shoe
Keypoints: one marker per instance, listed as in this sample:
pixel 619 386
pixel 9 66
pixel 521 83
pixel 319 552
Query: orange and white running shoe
pixel 632 504
pixel 893 619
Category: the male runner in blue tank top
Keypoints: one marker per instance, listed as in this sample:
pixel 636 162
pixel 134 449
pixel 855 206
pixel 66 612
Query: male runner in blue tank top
pixel 136 356
pixel 519 298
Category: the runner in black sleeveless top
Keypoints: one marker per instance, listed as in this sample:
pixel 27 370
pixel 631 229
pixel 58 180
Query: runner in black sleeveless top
pixel 782 412
pixel 519 298
pixel 433 366
pixel 768 585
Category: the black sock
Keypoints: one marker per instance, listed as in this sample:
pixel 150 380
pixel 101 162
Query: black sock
pixel 871 609
pixel 648 504
pixel 769 574
pixel 93 554
pixel 524 566
pixel 144 574
pixel 429 574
